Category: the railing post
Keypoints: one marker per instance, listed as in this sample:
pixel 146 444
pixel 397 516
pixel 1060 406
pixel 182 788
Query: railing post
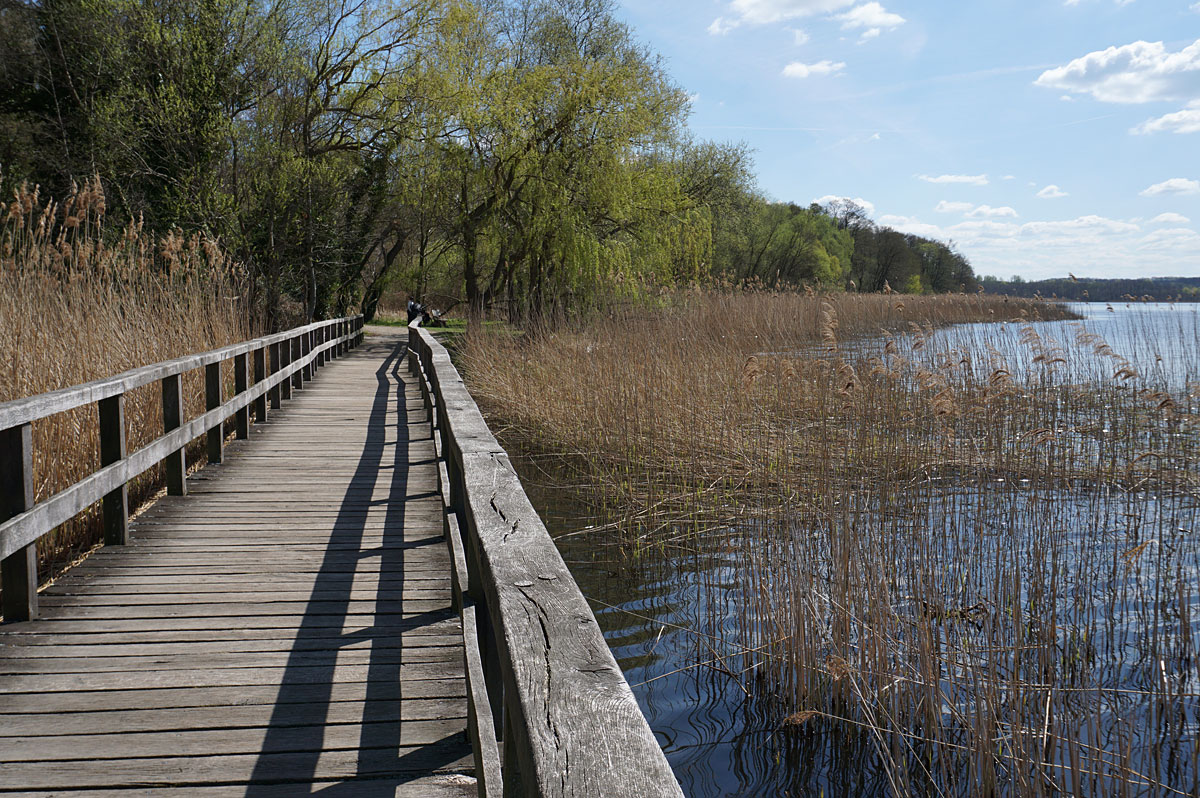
pixel 260 374
pixel 112 450
pixel 305 348
pixel 176 461
pixel 287 354
pixel 320 340
pixel 212 400
pixel 239 387
pixel 18 571
pixel 277 390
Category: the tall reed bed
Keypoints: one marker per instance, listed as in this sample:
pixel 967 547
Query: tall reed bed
pixel 80 300
pixel 974 552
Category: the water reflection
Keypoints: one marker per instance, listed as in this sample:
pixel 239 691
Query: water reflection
pixel 676 617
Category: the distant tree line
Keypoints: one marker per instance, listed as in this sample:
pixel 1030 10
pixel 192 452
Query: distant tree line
pixel 522 156
pixel 1090 289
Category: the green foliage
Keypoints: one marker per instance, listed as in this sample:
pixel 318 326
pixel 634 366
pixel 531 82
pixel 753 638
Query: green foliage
pixel 1084 289
pixel 831 247
pixel 520 155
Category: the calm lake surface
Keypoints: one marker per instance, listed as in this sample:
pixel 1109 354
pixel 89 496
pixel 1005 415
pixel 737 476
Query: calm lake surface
pixel 665 611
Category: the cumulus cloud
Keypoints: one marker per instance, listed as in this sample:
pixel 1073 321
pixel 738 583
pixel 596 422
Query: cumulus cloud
pixel 1133 73
pixel 973 180
pixel 1092 245
pixel 1170 218
pixel 988 212
pixel 801 71
pixel 1051 192
pixel 1175 185
pixel 720 26
pixel 1091 224
pixel 1172 240
pixel 766 12
pixel 1185 121
pixel 800 36
pixel 871 18
pixel 953 207
pixel 912 225
pixel 866 205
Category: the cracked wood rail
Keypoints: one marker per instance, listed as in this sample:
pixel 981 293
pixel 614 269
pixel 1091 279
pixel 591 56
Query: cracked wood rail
pixel 551 688
pixel 284 629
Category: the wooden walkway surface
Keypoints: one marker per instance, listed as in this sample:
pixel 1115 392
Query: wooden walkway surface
pixel 283 630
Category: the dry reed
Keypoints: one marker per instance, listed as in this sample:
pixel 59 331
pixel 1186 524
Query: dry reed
pixel 976 554
pixel 80 301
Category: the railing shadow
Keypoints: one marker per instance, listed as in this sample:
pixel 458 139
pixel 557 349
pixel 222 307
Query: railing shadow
pixel 294 744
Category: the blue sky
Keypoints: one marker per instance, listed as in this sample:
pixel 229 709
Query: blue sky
pixel 1041 137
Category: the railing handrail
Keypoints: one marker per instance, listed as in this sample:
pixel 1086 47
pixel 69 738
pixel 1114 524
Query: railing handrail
pixel 39 406
pixel 281 361
pixel 540 674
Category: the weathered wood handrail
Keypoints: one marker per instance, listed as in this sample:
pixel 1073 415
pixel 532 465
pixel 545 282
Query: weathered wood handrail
pixel 540 676
pixel 281 362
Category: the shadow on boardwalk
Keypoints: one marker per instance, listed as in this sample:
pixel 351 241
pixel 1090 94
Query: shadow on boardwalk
pixel 297 727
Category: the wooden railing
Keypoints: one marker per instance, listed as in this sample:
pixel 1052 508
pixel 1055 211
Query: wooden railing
pixel 281 362
pixel 542 685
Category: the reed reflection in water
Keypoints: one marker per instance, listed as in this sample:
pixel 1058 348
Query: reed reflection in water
pixel 1016 624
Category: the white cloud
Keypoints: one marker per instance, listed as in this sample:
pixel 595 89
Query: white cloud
pixel 1009 177
pixel 1133 73
pixel 866 205
pixel 973 180
pixel 1051 192
pixel 766 12
pixel 1185 121
pixel 800 71
pixel 1088 245
pixel 1092 224
pixel 867 35
pixel 720 26
pixel 1176 185
pixel 1177 240
pixel 953 207
pixel 910 224
pixel 871 16
pixel 988 212
pixel 1170 218
pixel 800 36
pixel 875 137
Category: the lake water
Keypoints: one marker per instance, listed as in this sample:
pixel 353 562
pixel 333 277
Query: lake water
pixel 667 612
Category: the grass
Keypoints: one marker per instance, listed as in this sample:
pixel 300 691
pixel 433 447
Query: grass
pixel 973 551
pixel 81 301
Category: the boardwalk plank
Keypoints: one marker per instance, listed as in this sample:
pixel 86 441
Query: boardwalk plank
pixel 450 785
pixel 220 717
pixel 82 700
pixel 445 756
pixel 283 629
pixel 217 742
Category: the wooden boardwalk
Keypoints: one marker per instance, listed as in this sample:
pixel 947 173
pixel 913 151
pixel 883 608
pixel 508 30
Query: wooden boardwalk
pixel 283 630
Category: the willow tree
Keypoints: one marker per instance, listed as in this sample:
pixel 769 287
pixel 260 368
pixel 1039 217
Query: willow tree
pixel 551 134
